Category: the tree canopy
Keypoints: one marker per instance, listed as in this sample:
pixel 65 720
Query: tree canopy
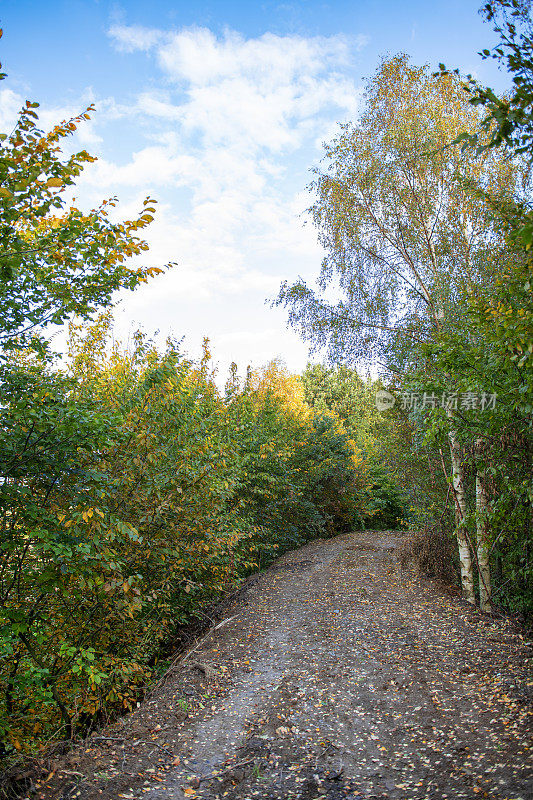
pixel 425 275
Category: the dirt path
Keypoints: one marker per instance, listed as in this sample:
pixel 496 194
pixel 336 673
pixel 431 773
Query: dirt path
pixel 336 676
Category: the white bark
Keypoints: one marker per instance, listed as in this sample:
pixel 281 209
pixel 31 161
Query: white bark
pixel 482 540
pixel 465 556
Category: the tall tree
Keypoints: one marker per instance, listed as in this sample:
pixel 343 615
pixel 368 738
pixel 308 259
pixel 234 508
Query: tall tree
pixel 405 239
pixel 503 317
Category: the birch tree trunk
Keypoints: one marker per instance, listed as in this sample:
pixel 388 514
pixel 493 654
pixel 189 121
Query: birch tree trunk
pixel 482 538
pixel 465 556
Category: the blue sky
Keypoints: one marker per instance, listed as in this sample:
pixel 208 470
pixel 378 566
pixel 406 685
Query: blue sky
pixel 218 110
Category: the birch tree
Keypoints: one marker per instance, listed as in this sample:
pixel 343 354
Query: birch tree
pixel 405 238
pixel 482 534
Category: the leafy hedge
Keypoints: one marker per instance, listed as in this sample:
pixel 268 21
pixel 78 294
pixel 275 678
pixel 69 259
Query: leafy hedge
pixel 133 492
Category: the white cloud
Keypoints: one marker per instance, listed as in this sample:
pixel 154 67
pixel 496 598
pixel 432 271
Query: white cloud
pixel 129 38
pixel 241 107
pixel 238 123
pixel 225 137
pixel 197 56
pixel 250 94
pixel 149 167
pixel 10 105
pixel 361 41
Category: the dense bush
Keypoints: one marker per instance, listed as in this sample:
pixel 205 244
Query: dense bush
pixel 133 493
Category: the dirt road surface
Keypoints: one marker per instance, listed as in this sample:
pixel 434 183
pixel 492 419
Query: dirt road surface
pixel 334 675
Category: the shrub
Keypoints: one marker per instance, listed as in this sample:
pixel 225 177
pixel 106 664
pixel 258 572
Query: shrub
pixel 432 552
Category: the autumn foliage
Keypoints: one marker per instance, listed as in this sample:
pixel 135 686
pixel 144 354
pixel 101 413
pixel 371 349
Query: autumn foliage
pixel 133 492
pixel 137 493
